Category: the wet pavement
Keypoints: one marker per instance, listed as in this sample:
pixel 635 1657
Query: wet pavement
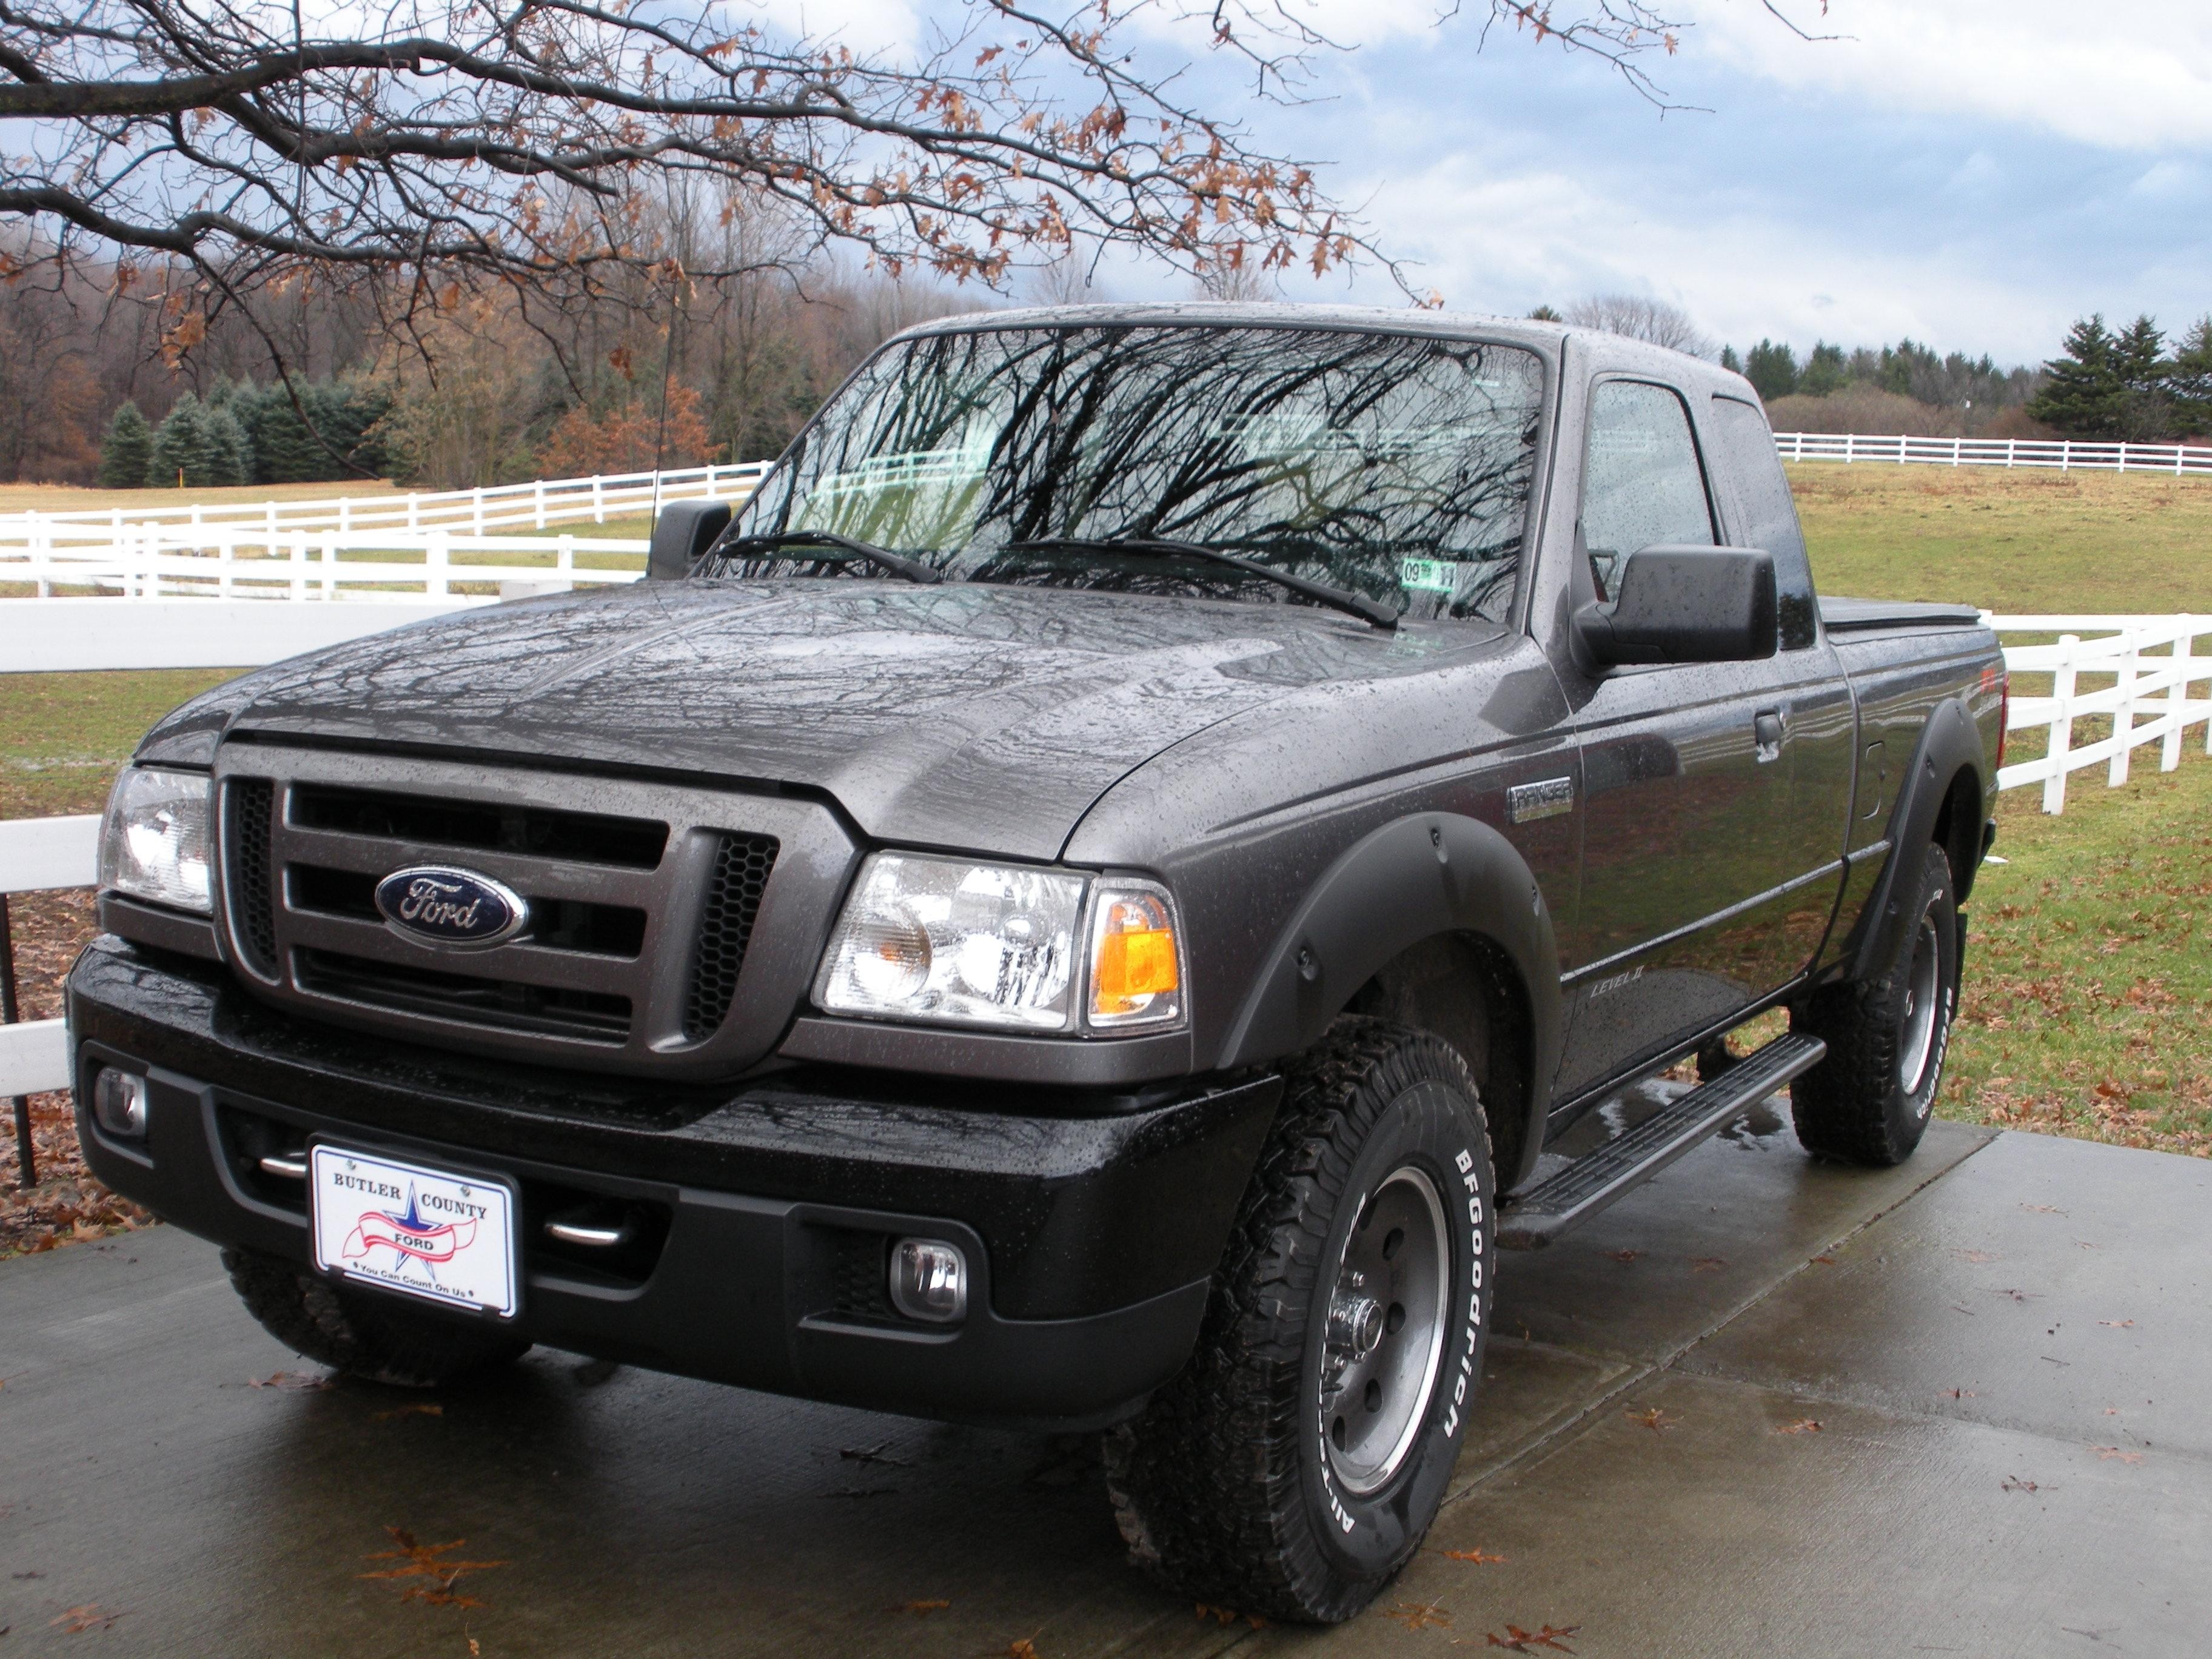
pixel 1762 1406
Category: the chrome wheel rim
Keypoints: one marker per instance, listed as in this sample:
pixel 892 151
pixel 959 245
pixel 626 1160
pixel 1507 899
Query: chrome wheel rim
pixel 1922 995
pixel 1384 1341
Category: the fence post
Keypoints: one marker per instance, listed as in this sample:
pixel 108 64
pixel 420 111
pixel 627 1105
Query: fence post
pixel 1955 445
pixel 537 500
pixel 226 565
pixel 477 496
pixel 26 1158
pixel 1847 449
pixel 297 559
pixel 599 499
pixel 2124 717
pixel 2065 453
pixel 2009 443
pixel 2177 699
pixel 414 513
pixel 2062 725
pixel 565 561
pixel 437 561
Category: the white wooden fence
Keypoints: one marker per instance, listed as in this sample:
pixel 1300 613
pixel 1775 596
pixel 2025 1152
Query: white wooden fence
pixel 2062 454
pixel 538 504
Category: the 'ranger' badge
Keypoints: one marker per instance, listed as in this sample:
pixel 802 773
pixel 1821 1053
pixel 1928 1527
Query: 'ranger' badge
pixel 439 905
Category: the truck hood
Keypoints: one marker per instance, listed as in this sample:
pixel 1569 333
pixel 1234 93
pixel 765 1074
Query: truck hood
pixel 977 716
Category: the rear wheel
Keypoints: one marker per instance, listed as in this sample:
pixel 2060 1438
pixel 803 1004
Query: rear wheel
pixel 1869 1101
pixel 379 1338
pixel 1294 1466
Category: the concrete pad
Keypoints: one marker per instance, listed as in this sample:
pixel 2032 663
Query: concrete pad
pixel 1702 1239
pixel 1722 1534
pixel 2053 1286
pixel 635 1514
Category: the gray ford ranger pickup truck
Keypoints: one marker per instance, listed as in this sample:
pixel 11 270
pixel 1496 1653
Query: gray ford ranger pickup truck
pixel 1084 904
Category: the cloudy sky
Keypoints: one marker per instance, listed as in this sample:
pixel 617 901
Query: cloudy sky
pixel 1974 173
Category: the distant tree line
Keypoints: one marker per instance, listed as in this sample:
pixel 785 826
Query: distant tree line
pixel 2127 385
pixel 1907 369
pixel 241 433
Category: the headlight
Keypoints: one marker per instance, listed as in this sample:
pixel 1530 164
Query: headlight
pixel 154 844
pixel 947 941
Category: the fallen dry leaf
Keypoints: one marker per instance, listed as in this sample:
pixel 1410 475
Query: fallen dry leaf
pixel 1651 1417
pixel 1470 1555
pixel 291 1382
pixel 1624 1255
pixel 1421 1615
pixel 2013 1483
pixel 2118 1324
pixel 925 1607
pixel 1707 1264
pixel 1025 1648
pixel 2113 1454
pixel 428 1561
pixel 1825 1260
pixel 409 1411
pixel 1802 1426
pixel 1516 1640
pixel 2045 1209
pixel 89 1617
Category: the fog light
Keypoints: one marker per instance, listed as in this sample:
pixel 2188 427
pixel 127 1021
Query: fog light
pixel 119 1102
pixel 929 1279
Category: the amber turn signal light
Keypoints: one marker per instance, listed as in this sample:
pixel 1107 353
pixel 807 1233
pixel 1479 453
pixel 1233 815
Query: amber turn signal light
pixel 1136 961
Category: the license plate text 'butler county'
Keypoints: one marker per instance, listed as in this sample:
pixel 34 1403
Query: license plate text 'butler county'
pixel 411 1229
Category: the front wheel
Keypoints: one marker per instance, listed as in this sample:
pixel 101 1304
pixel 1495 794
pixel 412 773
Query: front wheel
pixel 1869 1101
pixel 361 1333
pixel 1297 1462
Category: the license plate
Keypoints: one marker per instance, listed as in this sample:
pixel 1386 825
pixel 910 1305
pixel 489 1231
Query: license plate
pixel 446 1237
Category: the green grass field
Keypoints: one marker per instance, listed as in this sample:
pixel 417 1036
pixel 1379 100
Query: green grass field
pixel 2087 1007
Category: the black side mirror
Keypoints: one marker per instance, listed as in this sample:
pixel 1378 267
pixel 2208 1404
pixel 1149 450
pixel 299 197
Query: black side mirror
pixel 1683 604
pixel 683 531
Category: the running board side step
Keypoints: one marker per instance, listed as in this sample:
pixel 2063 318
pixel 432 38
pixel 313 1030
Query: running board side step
pixel 1536 1217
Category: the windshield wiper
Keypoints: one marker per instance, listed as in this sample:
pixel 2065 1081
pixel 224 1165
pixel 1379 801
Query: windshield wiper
pixel 1343 599
pixel 737 547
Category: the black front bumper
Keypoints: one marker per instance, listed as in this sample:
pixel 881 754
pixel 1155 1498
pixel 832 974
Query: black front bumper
pixel 761 1214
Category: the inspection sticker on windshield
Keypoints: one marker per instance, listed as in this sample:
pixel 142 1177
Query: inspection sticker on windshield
pixel 1429 575
pixel 412 1228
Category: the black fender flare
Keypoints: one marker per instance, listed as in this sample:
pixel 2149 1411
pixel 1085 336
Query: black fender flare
pixel 1427 874
pixel 1949 744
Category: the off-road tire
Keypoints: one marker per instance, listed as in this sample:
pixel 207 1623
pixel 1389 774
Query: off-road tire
pixel 1224 1487
pixel 361 1333
pixel 1856 1104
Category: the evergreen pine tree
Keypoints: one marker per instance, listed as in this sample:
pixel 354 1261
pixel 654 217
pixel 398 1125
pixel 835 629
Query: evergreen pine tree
pixel 181 444
pixel 2084 395
pixel 126 451
pixel 1825 371
pixel 2188 381
pixel 230 452
pixel 1771 369
pixel 1730 361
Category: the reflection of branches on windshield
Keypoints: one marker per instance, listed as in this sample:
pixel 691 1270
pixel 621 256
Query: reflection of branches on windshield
pixel 1335 456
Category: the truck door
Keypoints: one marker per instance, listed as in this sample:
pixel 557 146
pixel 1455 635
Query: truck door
pixel 1688 851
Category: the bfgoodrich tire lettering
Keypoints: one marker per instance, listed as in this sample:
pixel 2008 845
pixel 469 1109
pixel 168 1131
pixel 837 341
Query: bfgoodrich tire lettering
pixel 1869 1101
pixel 1230 1485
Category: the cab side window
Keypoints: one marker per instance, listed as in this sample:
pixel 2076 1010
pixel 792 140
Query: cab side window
pixel 1642 484
pixel 1766 517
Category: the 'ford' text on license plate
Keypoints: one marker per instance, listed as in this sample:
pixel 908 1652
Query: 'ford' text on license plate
pixel 399 1225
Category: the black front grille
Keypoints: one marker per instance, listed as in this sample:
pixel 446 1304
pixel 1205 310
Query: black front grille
pixel 247 876
pixel 487 826
pixel 593 1016
pixel 599 930
pixel 742 864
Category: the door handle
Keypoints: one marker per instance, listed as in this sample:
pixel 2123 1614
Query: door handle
pixel 1766 730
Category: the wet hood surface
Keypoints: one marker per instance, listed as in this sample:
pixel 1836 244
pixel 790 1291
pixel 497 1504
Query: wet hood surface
pixel 976 716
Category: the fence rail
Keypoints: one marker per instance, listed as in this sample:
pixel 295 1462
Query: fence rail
pixel 539 504
pixel 2062 454
pixel 2148 665
pixel 161 561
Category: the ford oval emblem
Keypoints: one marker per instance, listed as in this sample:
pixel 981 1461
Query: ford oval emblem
pixel 437 904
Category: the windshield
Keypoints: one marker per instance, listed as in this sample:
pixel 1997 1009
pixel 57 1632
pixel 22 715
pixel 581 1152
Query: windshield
pixel 1397 467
